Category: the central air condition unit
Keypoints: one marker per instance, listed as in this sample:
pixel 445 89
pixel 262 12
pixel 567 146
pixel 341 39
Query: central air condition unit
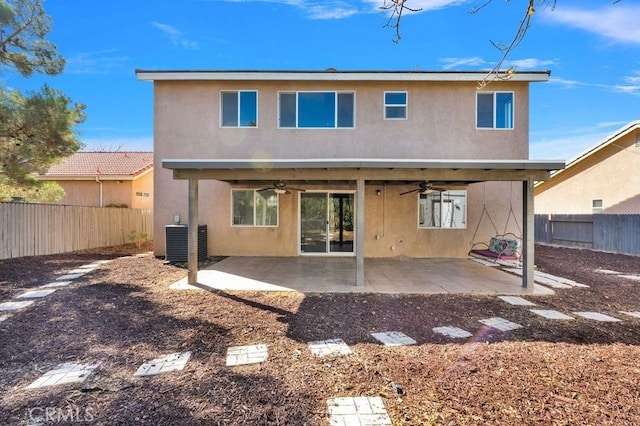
pixel 177 243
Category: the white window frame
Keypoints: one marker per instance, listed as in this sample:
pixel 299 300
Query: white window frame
pixel 495 115
pixel 443 194
pixel 255 195
pixel 336 92
pixel 405 105
pixel 239 125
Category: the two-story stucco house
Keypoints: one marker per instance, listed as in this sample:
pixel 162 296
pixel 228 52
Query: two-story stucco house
pixel 357 163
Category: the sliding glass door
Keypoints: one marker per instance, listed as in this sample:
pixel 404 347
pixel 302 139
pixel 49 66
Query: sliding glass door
pixel 327 223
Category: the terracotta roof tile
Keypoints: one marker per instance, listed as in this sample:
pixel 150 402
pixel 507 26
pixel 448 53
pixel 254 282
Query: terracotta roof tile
pixel 103 163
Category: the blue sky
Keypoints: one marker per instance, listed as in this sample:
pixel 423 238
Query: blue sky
pixel 592 48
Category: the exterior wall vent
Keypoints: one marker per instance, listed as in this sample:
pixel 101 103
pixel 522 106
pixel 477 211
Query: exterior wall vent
pixel 176 237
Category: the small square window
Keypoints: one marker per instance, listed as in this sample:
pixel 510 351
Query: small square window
pixel 446 209
pixel 597 206
pixel 250 207
pixel 239 109
pixel 494 110
pixel 395 105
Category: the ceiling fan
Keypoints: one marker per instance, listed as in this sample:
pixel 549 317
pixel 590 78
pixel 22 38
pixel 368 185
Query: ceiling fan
pixel 425 188
pixel 280 187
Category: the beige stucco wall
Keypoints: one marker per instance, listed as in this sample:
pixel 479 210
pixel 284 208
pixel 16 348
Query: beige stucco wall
pixel 87 192
pixel 612 175
pixel 440 125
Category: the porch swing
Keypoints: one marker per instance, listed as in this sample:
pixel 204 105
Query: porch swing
pixel 502 246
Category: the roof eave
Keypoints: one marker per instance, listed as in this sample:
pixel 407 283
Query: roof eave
pixel 462 76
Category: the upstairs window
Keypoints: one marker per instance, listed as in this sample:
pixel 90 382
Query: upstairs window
pixel 251 207
pixel 239 108
pixel 317 110
pixel 446 209
pixel 395 105
pixel 494 110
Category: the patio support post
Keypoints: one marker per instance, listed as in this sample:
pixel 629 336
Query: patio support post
pixel 192 239
pixel 528 234
pixel 360 233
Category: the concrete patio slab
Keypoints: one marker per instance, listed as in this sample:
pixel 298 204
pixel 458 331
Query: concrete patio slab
pixel 56 284
pixel 35 294
pixel 63 374
pixel 360 410
pixel 322 348
pixel 500 324
pixel 632 314
pixel 14 306
pixel 540 279
pixel 164 364
pixel 516 300
pixel 393 338
pixel 243 355
pixel 551 314
pixel 454 332
pixel 597 316
pixel 308 274
pixel 81 271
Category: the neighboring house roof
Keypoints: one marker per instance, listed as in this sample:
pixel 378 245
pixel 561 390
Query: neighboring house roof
pixel 105 165
pixel 609 140
pixel 335 75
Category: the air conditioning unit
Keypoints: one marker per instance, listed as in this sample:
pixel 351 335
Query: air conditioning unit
pixel 177 243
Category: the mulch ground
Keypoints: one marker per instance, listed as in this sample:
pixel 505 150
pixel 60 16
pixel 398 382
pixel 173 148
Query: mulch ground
pixel 123 314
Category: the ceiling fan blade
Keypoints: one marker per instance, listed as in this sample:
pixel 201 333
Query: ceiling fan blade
pixel 409 192
pixel 297 189
pixel 266 189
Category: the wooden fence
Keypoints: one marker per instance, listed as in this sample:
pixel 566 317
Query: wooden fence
pixel 39 229
pixel 618 233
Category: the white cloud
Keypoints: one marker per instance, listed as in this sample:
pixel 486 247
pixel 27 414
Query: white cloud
pixel 629 85
pixel 618 22
pixel 530 64
pixel 423 5
pixel 335 11
pixel 100 62
pixel 457 63
pixel 176 36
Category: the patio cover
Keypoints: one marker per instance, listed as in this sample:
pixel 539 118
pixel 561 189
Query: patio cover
pixel 360 171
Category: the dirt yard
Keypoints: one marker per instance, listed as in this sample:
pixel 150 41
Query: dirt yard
pixel 122 314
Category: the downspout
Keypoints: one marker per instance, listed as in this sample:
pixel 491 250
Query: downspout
pixel 100 182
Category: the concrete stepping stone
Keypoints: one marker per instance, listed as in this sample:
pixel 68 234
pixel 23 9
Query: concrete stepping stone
pixel 63 374
pixel 69 277
pixel 607 272
pixel 329 347
pixel 14 306
pixel 4 317
pixel 632 314
pixel 597 316
pixel 516 300
pixel 172 362
pixel 243 355
pixel 551 314
pixel 56 284
pixel 82 271
pixel 500 324
pixel 35 294
pixel 393 338
pixel 360 410
pixel 450 331
pixel 89 266
pixel 631 277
